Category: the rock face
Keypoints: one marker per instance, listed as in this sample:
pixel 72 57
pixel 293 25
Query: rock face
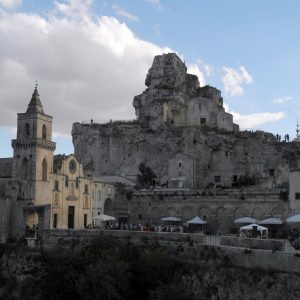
pixel 175 97
pixel 182 131
pixel 199 155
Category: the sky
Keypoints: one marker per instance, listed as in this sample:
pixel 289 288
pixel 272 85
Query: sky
pixel 91 58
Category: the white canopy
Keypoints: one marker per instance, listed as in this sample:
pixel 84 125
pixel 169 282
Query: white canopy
pixel 171 219
pixel 294 219
pixel 197 220
pixel 271 221
pixel 250 227
pixel 245 220
pixel 104 218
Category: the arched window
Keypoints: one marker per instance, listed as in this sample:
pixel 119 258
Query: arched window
pixel 25 168
pixel 44 170
pixel 27 130
pixel 44 133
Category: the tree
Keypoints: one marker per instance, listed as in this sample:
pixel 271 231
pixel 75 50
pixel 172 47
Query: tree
pixel 145 175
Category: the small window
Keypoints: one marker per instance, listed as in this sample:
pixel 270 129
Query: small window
pixel 44 133
pixel 109 191
pixel 72 166
pixel 179 164
pixel 85 220
pixel 200 106
pixel 54 221
pixel 202 121
pixel 72 189
pixel 44 170
pixel 297 196
pixel 86 189
pixel 272 172
pixel 27 130
pixel 56 185
pixel 234 179
pixel 140 217
pixel 77 182
pixel 86 202
pixel 67 181
pixel 56 203
pixel 217 178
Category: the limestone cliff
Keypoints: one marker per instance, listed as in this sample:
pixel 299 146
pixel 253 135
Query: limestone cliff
pixel 182 131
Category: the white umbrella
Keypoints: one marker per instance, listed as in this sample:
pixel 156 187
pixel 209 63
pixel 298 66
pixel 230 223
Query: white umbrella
pixel 245 220
pixel 294 219
pixel 251 226
pixel 271 221
pixel 197 220
pixel 171 219
pixel 104 218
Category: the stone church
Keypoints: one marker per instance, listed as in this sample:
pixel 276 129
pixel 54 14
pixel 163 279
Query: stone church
pixel 40 189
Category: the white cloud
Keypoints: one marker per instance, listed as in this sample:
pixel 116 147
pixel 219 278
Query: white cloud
pixel 123 13
pixel 156 29
pixel 10 3
pixel 195 70
pixel 234 79
pixel 282 100
pixel 87 66
pixel 254 120
pixel 155 3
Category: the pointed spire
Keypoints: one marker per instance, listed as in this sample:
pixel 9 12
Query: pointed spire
pixel 35 105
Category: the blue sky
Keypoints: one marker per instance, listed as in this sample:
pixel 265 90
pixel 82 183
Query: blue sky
pixel 91 58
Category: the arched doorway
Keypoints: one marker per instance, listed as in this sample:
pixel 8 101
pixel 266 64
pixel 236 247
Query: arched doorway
pixel 108 207
pixel 32 223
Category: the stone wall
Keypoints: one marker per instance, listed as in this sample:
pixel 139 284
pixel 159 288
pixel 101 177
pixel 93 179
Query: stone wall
pixel 253 243
pixel 219 207
pixel 191 247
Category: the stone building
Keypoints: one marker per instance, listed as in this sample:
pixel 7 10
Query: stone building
pixel 40 188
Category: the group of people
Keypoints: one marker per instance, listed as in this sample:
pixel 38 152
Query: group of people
pixel 286 138
pixel 147 227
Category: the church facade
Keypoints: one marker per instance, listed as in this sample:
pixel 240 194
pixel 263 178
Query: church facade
pixel 43 190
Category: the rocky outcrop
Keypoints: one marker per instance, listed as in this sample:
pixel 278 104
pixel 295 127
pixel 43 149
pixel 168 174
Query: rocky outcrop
pixel 169 92
pixel 198 154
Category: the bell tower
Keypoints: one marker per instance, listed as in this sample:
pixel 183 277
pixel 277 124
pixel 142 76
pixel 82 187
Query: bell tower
pixel 33 153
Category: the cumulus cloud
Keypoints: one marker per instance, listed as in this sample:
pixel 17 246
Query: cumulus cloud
pixel 10 3
pixel 249 121
pixel 87 67
pixel 200 69
pixel 234 79
pixel 123 13
pixel 282 100
pixel 155 3
pixel 194 69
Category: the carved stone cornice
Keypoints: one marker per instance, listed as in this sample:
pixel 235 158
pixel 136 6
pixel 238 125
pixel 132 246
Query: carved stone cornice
pixel 33 143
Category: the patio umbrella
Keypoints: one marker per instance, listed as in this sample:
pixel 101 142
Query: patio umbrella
pixel 197 221
pixel 271 221
pixel 251 226
pixel 104 218
pixel 245 220
pixel 171 219
pixel 294 219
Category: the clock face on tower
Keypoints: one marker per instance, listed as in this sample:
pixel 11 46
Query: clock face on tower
pixel 72 166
